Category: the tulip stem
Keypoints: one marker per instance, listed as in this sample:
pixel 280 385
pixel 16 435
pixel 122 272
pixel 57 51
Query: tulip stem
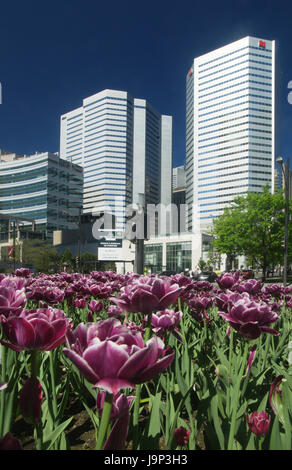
pixel 136 414
pixel 260 443
pixel 148 328
pixel 235 399
pixel 39 436
pixel 35 370
pixel 3 379
pixel 230 369
pixel 35 363
pixel 52 372
pixel 105 419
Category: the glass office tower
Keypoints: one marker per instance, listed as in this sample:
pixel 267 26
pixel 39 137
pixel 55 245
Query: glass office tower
pixel 230 127
pixel 43 188
pixel 125 148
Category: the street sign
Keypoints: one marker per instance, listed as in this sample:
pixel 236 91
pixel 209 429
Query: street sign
pixel 110 249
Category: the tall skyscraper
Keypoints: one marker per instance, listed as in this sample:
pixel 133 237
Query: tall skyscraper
pixel 230 127
pixel 178 177
pixel 125 148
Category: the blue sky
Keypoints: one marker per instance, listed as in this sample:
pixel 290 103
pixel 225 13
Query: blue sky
pixel 55 53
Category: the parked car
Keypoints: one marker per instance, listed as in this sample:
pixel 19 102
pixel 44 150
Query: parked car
pixel 247 274
pixel 209 276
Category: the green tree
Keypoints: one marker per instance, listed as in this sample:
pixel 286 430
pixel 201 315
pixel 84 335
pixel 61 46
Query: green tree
pixel 254 227
pixel 67 258
pixel 202 264
pixel 41 255
pixel 88 261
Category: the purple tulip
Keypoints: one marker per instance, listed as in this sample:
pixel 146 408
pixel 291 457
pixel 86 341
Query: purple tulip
pixel 120 412
pixel 100 291
pixel 79 303
pixel 200 303
pixel 112 357
pixel 11 301
pixel 51 295
pixel 90 316
pixel 39 329
pixel 121 404
pixel 203 286
pixel 114 311
pixel 228 280
pixel 9 442
pixel 250 318
pixel 121 416
pixel 275 290
pixel 252 286
pixel 31 400
pixel 181 436
pixel 22 272
pixel 165 320
pixel 95 306
pixel 147 295
pixel 258 422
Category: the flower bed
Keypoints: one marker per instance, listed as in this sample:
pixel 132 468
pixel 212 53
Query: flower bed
pixel 113 362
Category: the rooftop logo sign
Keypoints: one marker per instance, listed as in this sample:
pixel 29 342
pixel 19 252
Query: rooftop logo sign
pixel 262 44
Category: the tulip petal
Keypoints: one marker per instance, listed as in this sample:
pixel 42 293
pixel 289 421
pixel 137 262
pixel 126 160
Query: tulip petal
pixel 266 329
pixel 105 358
pixel 169 299
pixel 250 330
pixel 82 365
pixel 154 369
pixel 44 333
pixel 144 301
pixel 20 333
pixel 158 288
pixel 139 360
pixel 113 384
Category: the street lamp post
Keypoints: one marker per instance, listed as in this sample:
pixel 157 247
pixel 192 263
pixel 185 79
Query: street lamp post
pixel 285 171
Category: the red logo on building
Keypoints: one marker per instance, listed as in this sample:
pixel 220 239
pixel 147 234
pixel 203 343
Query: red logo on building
pixel 190 72
pixel 262 44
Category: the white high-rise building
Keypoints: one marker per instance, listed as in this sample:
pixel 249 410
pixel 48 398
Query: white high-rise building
pixel 230 127
pixel 125 148
pixel 178 177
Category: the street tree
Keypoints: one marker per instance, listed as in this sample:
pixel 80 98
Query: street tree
pixel 253 226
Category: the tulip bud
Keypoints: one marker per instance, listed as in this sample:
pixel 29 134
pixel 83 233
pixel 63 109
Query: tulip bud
pixel 251 357
pixel 90 316
pixel 258 422
pixel 181 436
pixel 275 398
pixel 3 385
pixel 8 442
pixel 31 400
